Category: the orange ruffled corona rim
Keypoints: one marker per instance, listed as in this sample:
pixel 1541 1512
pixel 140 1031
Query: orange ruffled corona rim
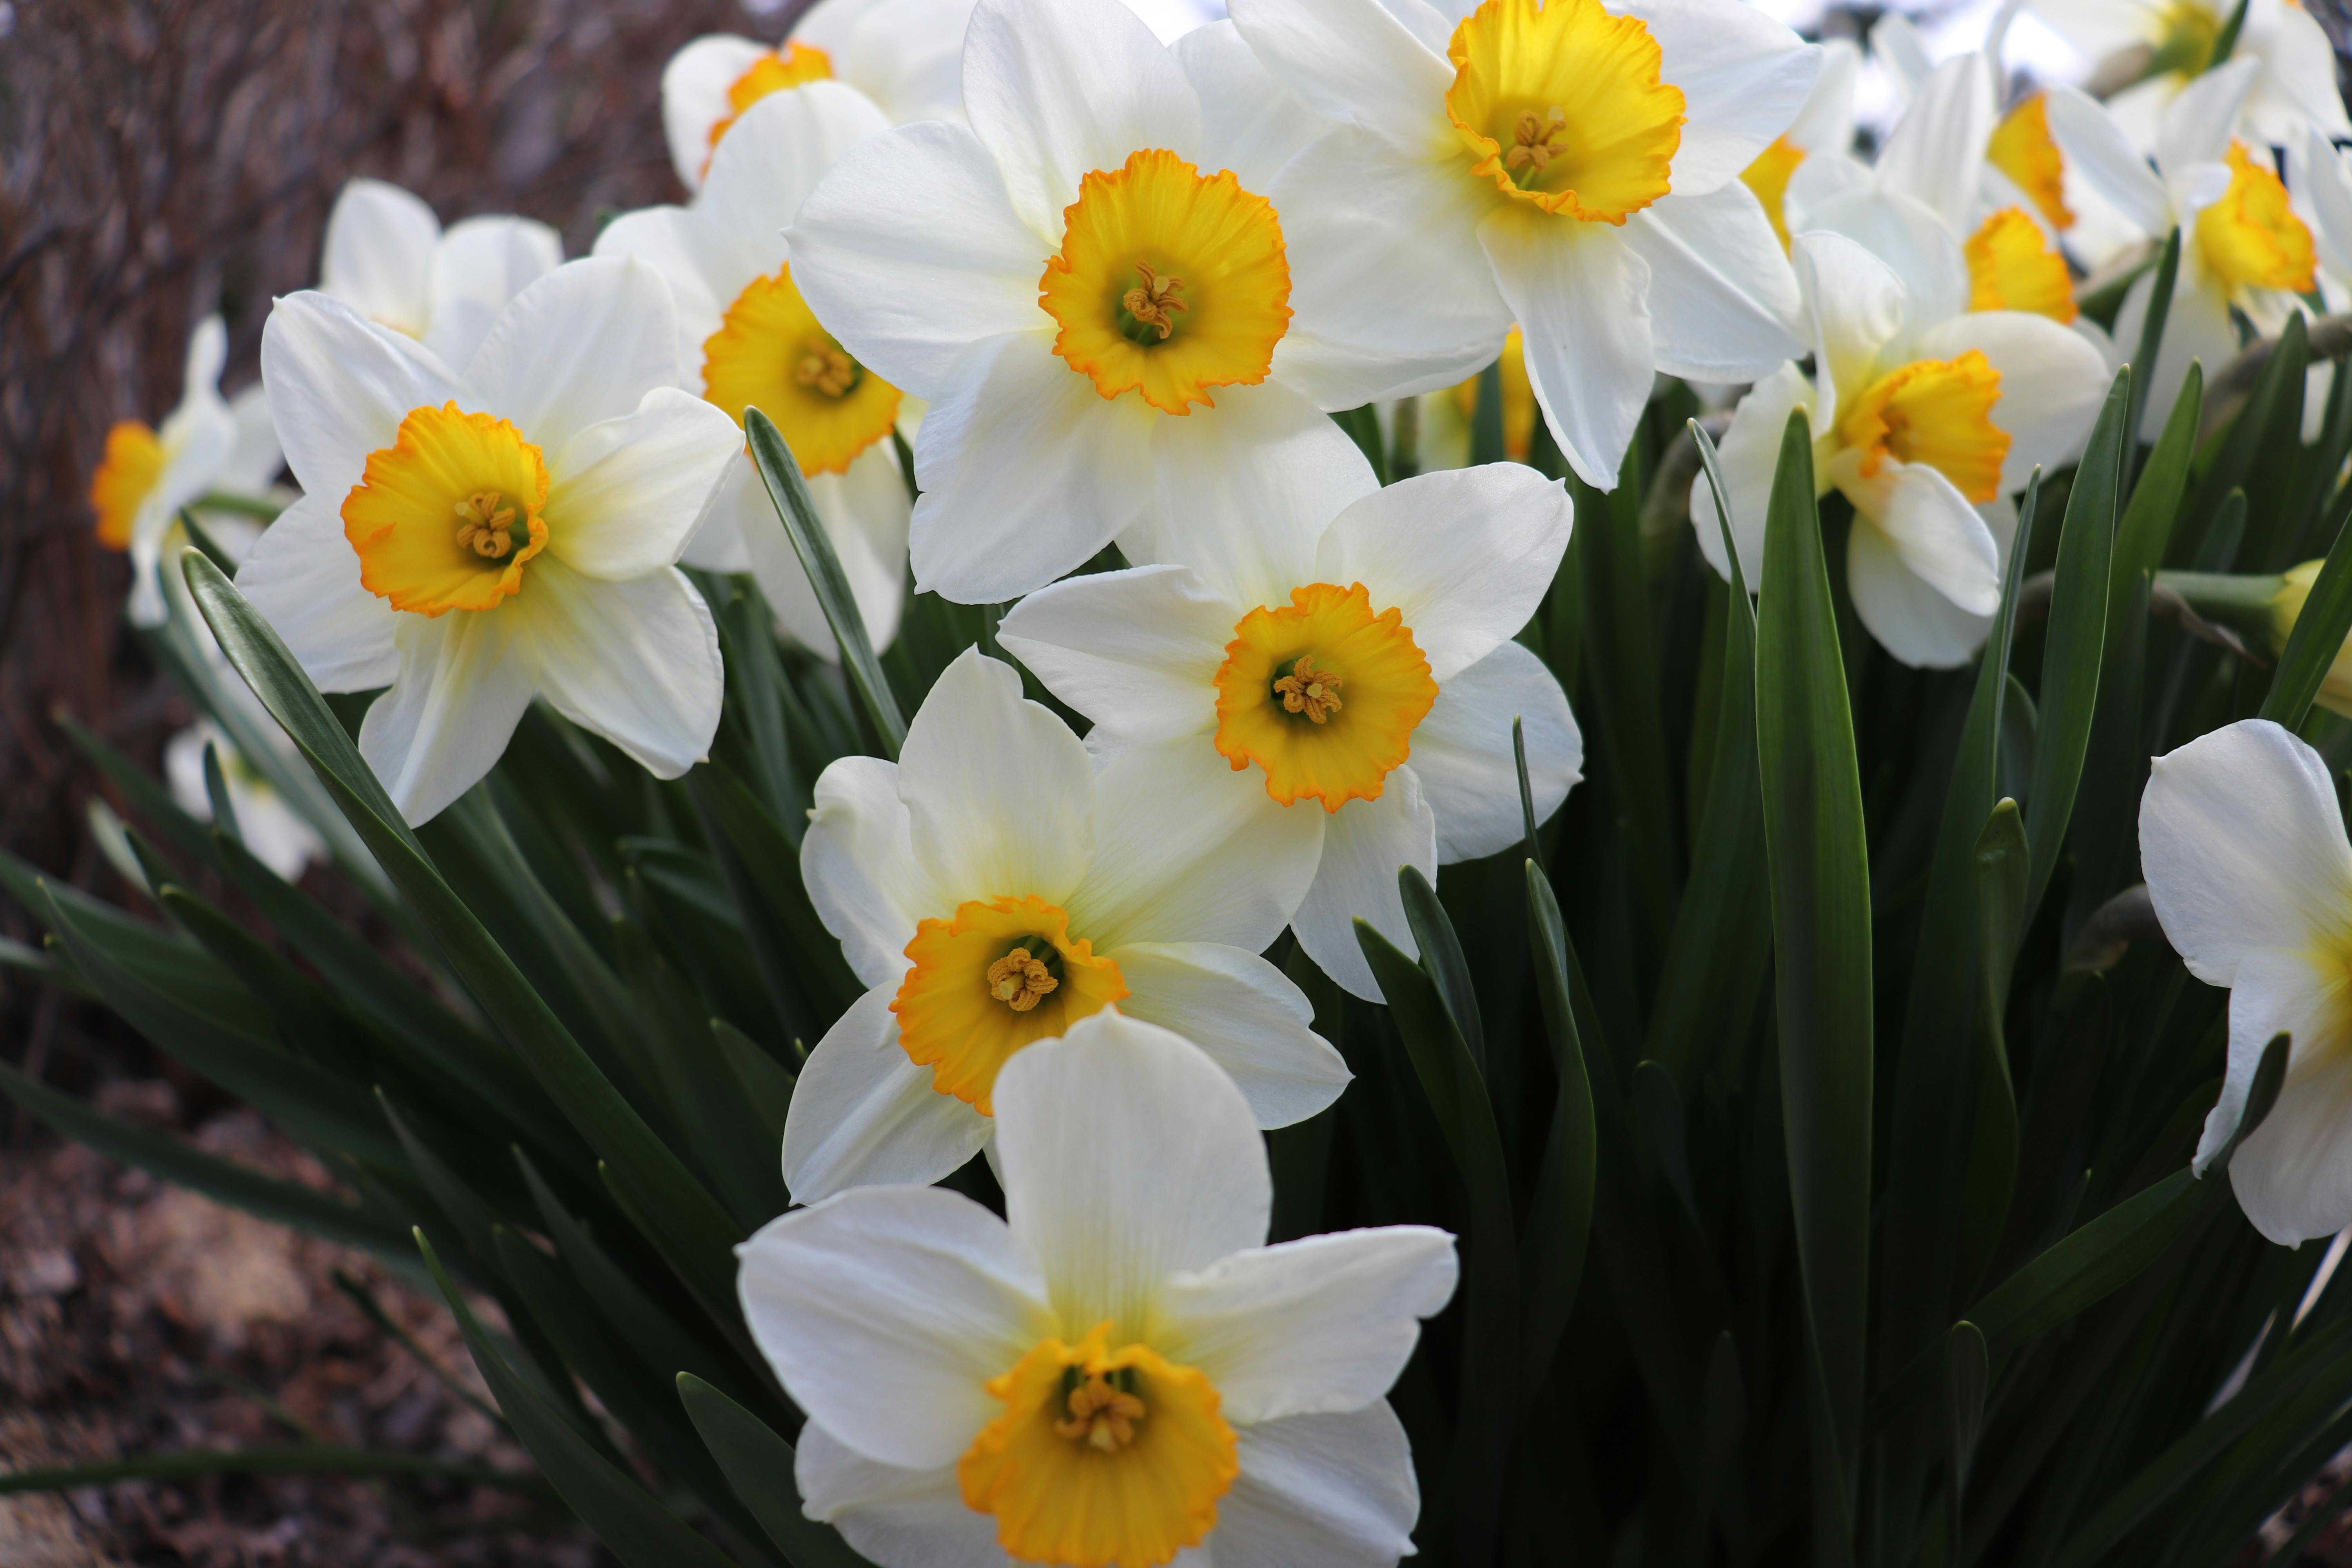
pixel 770 352
pixel 1170 283
pixel 1322 694
pixel 1937 412
pixel 2012 268
pixel 133 464
pixel 445 517
pixel 1000 974
pixel 2250 237
pixel 1103 1457
pixel 1561 105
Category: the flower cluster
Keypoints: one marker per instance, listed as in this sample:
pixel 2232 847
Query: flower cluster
pixel 1174 358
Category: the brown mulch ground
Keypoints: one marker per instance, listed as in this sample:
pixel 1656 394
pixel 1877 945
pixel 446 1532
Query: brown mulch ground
pixel 140 1319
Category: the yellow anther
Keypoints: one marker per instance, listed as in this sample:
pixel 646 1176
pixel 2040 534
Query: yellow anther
pixel 1019 981
pixel 1537 140
pixel 1308 690
pixel 1155 302
pixel 483 529
pixel 825 368
pixel 1103 1415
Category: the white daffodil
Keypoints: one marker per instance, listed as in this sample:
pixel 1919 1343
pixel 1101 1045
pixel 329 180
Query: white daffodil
pixel 2243 843
pixel 1815 154
pixel 1314 633
pixel 388 258
pixel 1121 1370
pixel 275 832
pixel 746 338
pixel 992 889
pixel 2242 247
pixel 1573 168
pixel 1927 426
pixel 206 445
pixel 2154 52
pixel 475 538
pixel 1090 288
pixel 903 56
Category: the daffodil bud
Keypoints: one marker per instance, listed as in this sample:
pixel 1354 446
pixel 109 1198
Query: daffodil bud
pixel 2284 607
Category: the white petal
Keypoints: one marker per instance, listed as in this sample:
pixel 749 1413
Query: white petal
pixel 1126 1155
pixel 2297 88
pixel 1723 305
pixel 254 458
pixel 1001 796
pixel 1856 304
pixel 676 243
pixel 1582 303
pixel 864 513
pixel 863 1114
pixel 1244 491
pixel 1308 1327
pixel 338 388
pixel 1743 74
pixel 910 252
pixel 885 1311
pixel 1055 89
pixel 1914 243
pixel 1749 453
pixel 1245 1013
pixel 1365 842
pixel 1250 123
pixel 462 687
pixel 2052 383
pixel 1826 122
pixel 905 54
pixel 2243 848
pixel 1467 555
pixel 1461 752
pixel 200 372
pixel 771 158
pixel 2196 330
pixel 1391 293
pixel 858 860
pixel 1136 650
pixel 694 96
pixel 1353 60
pixel 2096 151
pixel 892 1516
pixel 1026 471
pixel 582 345
pixel 2294 1175
pixel 1941 537
pixel 1190 849
pixel 1910 619
pixel 628 492
pixel 2200 122
pixel 378 256
pixel 1321 1491
pixel 636 662
pixel 1935 151
pixel 304 577
pixel 480 265
pixel 2319 174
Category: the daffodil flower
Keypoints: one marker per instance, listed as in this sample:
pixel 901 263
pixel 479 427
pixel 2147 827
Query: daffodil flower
pixel 2159 48
pixel 1092 293
pixel 2244 845
pixel 275 832
pixel 1121 1370
pixel 1927 426
pixel 1814 155
pixel 205 445
pixel 992 889
pixel 2243 248
pixel 748 340
pixel 1345 649
pixel 1565 165
pixel 905 56
pixel 472 538
pixel 388 258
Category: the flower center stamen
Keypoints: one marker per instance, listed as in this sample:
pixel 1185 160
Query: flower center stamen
pixel 772 353
pixel 1308 690
pixel 487 525
pixel 824 367
pixel 1020 982
pixel 1103 1408
pixel 1152 304
pixel 1535 142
